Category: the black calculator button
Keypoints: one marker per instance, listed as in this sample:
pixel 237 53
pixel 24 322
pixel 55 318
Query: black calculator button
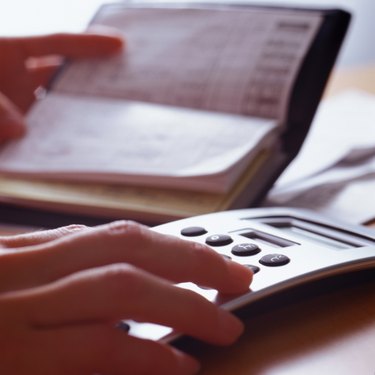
pixel 255 269
pixel 245 249
pixel 226 256
pixel 219 240
pixel 123 326
pixel 204 287
pixel 193 231
pixel 274 260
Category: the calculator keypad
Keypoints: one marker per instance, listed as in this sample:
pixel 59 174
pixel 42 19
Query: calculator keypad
pixel 240 250
pixel 279 257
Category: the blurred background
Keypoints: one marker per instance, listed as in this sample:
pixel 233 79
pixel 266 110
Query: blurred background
pixel 26 17
pixel 354 71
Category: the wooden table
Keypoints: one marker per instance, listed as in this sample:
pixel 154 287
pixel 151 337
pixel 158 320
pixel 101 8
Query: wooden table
pixel 332 332
pixel 362 77
pixel 327 332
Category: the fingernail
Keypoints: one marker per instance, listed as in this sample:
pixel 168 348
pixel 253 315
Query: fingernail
pixel 230 327
pixel 187 364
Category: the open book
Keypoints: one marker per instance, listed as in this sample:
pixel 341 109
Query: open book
pixel 191 117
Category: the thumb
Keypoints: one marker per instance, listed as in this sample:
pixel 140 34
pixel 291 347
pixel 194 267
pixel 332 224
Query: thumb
pixel 12 123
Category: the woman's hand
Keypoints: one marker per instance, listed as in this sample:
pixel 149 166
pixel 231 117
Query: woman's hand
pixel 28 63
pixel 64 290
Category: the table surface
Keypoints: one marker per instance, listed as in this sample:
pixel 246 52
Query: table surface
pixel 329 333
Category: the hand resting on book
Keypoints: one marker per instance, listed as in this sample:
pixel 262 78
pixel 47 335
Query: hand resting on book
pixel 28 63
pixel 63 292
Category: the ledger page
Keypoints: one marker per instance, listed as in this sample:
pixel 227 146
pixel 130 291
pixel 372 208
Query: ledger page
pixel 195 95
pixel 236 60
pixel 87 138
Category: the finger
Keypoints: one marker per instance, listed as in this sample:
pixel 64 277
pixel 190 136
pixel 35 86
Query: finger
pixel 15 271
pixel 19 98
pixel 111 293
pixel 38 237
pixel 102 349
pixel 127 242
pixel 89 44
pixel 12 123
pixel 42 69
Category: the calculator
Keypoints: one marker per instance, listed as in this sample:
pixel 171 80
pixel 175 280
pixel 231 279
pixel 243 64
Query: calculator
pixel 284 247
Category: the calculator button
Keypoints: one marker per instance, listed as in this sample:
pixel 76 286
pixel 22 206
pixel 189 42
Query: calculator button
pixel 274 260
pixel 219 240
pixel 226 256
pixel 123 326
pixel 204 287
pixel 245 249
pixel 255 269
pixel 193 231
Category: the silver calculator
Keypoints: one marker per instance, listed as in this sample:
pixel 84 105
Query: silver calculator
pixel 284 247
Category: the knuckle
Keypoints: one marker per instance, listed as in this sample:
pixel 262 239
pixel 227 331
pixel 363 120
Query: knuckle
pixel 123 280
pixel 72 228
pixel 130 229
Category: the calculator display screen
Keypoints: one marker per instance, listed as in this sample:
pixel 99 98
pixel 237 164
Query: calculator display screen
pixel 314 237
pixel 331 237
